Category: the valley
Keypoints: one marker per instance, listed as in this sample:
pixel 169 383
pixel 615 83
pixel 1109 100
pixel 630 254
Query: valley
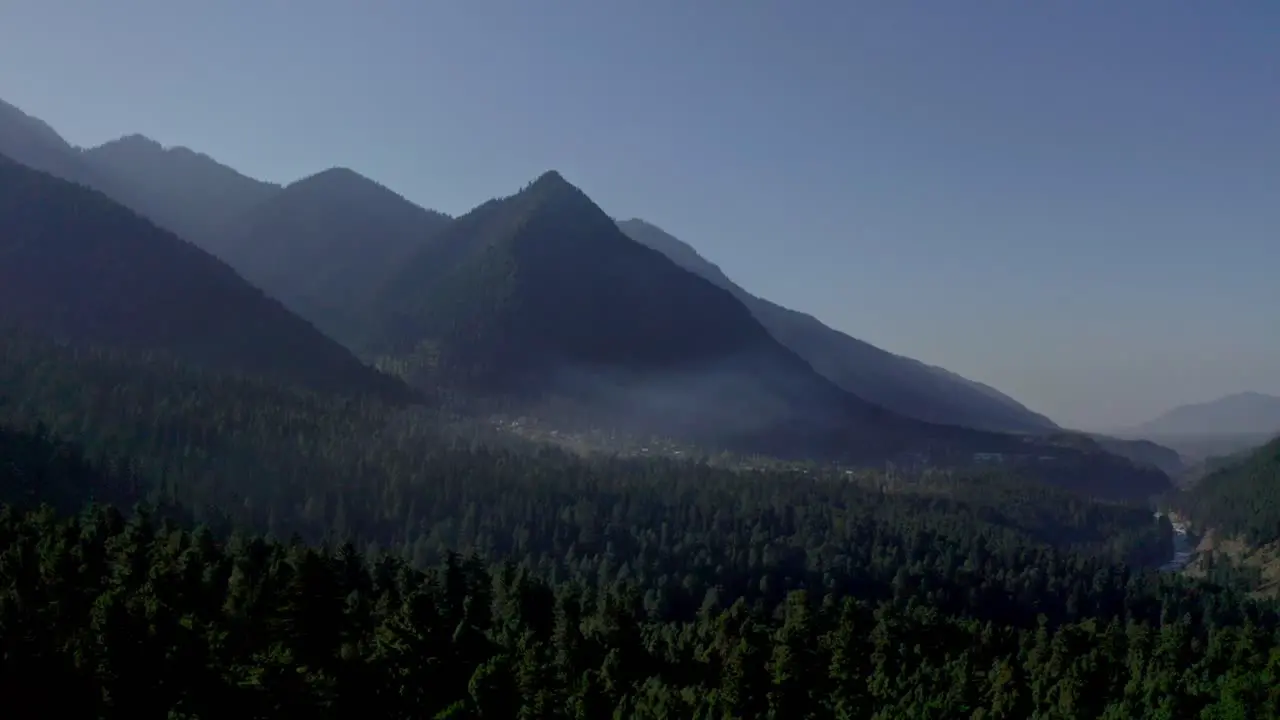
pixel 310 449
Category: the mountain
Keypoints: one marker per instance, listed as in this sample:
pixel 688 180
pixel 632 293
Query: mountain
pixel 320 245
pixel 179 189
pixel 539 298
pixel 1140 452
pixel 1246 414
pixel 183 191
pixel 1240 497
pixel 31 142
pixel 80 267
pixel 323 244
pixel 539 303
pixel 898 383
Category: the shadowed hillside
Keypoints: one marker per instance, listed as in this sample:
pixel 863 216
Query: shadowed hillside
pixel 323 244
pixel 77 266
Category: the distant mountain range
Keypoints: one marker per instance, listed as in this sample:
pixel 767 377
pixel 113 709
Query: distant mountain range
pixel 327 241
pixel 535 303
pixel 1245 414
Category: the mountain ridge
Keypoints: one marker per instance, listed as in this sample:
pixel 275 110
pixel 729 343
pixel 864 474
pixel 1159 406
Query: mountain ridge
pixel 913 388
pixel 323 244
pixel 1243 413
pixel 876 375
pixel 626 357
pixel 502 296
pixel 500 302
pixel 32 142
pixel 182 190
pixel 80 267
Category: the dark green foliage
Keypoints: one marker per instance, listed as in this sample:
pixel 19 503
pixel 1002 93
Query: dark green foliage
pixel 591 587
pixel 78 266
pixel 36 468
pixel 103 616
pixel 1241 499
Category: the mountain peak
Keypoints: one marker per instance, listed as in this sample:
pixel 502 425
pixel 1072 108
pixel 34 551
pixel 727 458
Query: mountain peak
pixel 135 141
pixel 551 178
pixel 346 186
pixel 551 184
pixel 336 174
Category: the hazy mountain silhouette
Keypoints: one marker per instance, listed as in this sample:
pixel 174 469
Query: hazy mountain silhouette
pixel 31 142
pixel 179 189
pixel 319 245
pixel 80 267
pixel 539 298
pixel 898 383
pixel 1140 452
pixel 1246 414
pixel 537 301
pixel 323 244
pixel 541 302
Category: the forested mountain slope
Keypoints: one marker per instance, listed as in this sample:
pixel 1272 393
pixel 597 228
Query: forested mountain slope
pixel 646 589
pixel 1241 499
pixel 898 383
pixel 260 450
pixel 78 266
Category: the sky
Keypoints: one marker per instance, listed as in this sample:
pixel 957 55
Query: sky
pixel 1075 202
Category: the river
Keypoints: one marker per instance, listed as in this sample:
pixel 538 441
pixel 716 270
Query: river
pixel 1182 547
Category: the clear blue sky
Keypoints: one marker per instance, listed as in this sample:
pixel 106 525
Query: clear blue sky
pixel 1077 202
